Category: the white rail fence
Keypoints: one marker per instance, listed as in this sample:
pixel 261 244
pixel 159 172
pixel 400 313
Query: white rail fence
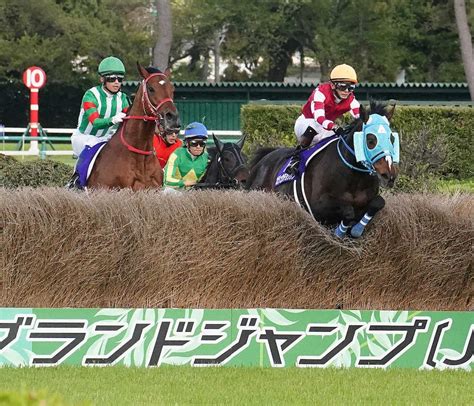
pixel 62 135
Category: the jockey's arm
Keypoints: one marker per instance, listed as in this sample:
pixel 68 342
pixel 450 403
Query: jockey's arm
pixel 171 173
pixel 318 111
pixel 89 104
pixel 355 108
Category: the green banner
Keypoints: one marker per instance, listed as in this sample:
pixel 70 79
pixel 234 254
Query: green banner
pixel 249 337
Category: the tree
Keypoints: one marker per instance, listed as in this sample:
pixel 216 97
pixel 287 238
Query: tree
pixel 465 40
pixel 426 37
pixel 267 34
pixel 164 40
pixel 68 38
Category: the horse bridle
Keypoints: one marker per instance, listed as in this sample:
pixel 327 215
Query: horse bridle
pixel 230 177
pixel 343 140
pixel 153 114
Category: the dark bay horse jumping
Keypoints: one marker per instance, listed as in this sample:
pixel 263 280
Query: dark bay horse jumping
pixel 341 183
pixel 227 168
pixel 128 160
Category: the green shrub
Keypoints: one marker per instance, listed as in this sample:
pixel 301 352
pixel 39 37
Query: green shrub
pixel 269 125
pixel 14 173
pixel 435 141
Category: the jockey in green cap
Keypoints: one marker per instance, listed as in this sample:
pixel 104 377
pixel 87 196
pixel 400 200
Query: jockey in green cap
pixel 103 108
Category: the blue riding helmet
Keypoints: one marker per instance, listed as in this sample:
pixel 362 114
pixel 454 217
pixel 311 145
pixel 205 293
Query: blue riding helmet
pixel 195 130
pixel 388 143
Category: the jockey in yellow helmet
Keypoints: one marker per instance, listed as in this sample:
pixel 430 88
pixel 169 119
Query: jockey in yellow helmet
pixel 327 102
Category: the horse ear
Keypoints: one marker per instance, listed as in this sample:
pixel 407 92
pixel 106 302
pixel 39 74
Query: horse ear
pixel 364 113
pixel 168 73
pixel 240 143
pixel 390 109
pixel 218 142
pixel 142 71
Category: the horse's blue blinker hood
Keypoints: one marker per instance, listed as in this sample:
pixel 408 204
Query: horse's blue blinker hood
pixel 378 126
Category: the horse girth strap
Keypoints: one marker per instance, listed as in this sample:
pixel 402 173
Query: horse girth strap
pixel 131 148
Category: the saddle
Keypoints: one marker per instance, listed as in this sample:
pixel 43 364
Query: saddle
pixel 306 155
pixel 86 162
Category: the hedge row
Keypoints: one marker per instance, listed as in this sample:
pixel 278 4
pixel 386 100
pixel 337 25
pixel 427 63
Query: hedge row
pixel 435 141
pixel 38 172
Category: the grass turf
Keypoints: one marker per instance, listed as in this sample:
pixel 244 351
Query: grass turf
pixel 186 385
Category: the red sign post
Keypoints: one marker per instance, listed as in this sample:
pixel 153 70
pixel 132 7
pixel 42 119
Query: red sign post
pixel 34 79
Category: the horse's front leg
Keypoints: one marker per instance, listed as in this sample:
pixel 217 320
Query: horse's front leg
pixel 348 217
pixel 376 204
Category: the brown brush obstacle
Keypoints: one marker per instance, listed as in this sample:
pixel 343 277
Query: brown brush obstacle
pixel 210 249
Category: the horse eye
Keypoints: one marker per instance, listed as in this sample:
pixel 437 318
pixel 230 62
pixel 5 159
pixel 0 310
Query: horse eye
pixel 150 89
pixel 371 141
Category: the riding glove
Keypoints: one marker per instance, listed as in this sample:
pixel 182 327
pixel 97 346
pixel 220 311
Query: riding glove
pixel 338 130
pixel 118 118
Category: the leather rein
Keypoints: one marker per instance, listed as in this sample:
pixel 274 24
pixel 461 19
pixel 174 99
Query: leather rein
pixel 151 114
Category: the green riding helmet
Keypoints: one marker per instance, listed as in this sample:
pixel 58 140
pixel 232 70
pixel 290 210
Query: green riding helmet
pixel 111 64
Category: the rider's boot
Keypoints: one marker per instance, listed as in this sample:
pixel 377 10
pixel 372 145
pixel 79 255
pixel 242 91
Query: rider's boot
pixel 74 182
pixel 292 168
pixel 305 142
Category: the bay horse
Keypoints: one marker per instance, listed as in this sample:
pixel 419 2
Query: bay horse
pixel 227 166
pixel 128 159
pixel 341 183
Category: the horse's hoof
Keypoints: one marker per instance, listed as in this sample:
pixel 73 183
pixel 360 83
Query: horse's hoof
pixel 357 230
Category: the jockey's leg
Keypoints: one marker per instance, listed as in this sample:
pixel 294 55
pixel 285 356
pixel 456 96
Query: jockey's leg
pixel 73 182
pixel 375 205
pixel 304 141
pixel 79 142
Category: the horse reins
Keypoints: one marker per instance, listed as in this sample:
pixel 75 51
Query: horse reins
pixel 351 151
pixel 155 115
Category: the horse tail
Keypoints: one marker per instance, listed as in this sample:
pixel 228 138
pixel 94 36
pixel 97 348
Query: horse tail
pixel 259 154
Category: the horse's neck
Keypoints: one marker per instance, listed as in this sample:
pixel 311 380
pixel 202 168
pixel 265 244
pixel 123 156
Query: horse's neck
pixel 212 174
pixel 348 154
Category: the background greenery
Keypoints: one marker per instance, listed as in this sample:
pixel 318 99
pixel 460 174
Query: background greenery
pixel 257 40
pixel 436 142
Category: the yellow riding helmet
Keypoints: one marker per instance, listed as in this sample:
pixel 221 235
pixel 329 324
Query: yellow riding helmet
pixel 343 73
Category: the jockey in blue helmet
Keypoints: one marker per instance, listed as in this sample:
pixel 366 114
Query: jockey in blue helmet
pixel 186 166
pixel 193 132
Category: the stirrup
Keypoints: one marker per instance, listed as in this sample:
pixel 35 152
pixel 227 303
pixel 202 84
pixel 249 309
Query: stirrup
pixel 73 182
pixel 292 168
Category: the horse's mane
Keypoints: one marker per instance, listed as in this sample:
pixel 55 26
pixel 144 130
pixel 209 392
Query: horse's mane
pixel 152 69
pixel 375 107
pixel 259 154
pixel 378 107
